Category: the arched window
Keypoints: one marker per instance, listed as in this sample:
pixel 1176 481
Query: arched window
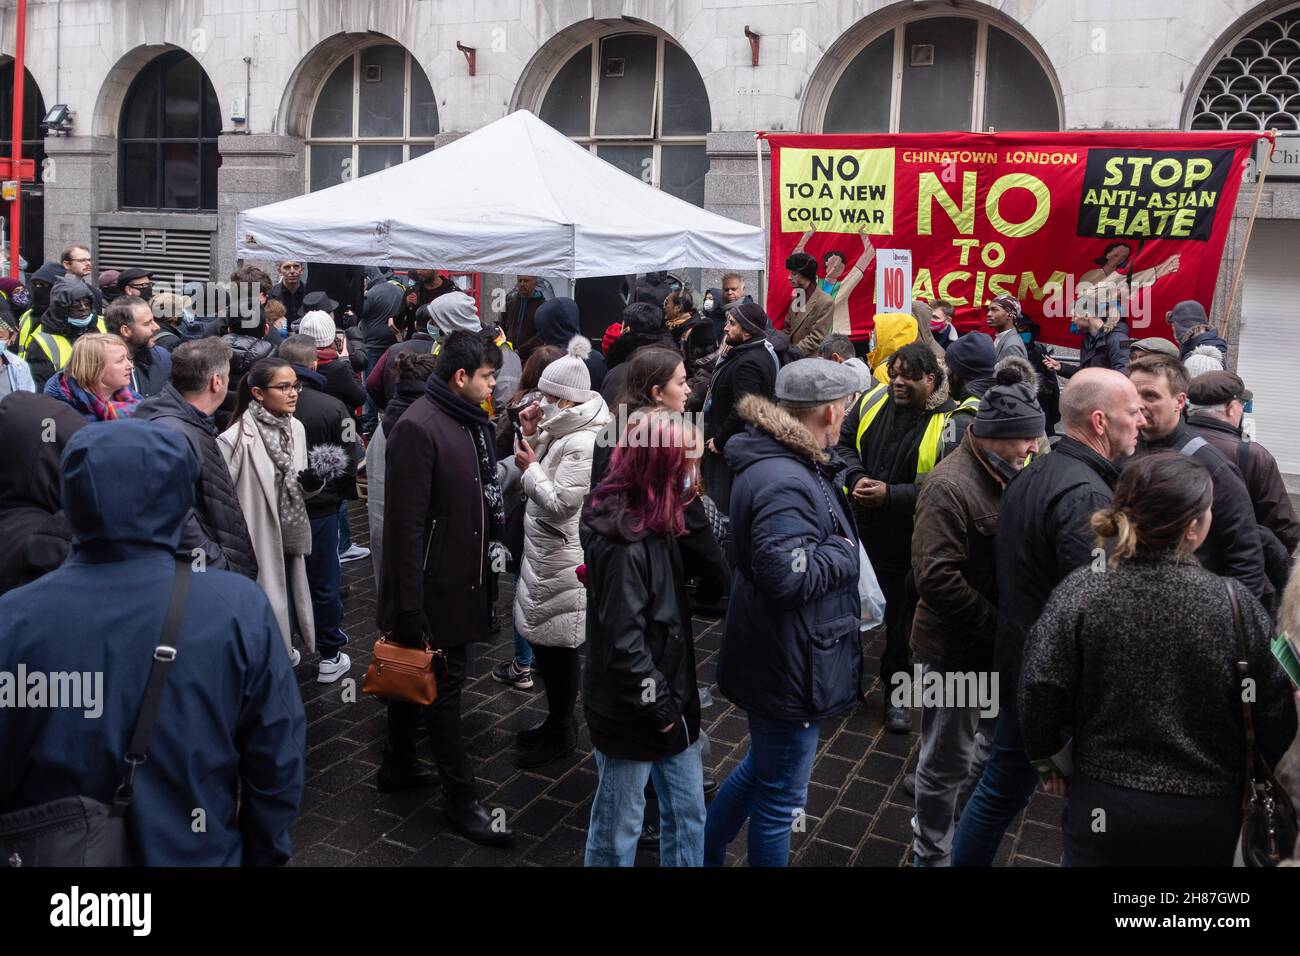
pixel 1255 84
pixel 637 101
pixel 33 225
pixel 942 73
pixel 375 110
pixel 167 137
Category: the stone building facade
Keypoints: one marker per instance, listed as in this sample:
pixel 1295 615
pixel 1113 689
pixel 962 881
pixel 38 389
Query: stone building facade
pixel 821 65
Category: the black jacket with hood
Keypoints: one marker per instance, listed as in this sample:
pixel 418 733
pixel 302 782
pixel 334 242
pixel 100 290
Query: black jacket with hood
pixel 67 289
pixel 638 630
pixel 557 324
pixel 33 528
pixel 216 524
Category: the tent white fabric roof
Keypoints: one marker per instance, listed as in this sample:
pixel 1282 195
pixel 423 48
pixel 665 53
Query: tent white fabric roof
pixel 513 196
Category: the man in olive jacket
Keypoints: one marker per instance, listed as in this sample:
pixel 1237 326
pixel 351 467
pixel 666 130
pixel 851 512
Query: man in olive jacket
pixel 956 613
pixel 442 511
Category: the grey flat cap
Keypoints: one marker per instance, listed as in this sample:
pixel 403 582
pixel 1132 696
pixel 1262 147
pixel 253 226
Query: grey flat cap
pixel 815 381
pixel 1155 345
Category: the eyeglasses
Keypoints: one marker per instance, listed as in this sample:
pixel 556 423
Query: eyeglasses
pixel 78 259
pixel 284 388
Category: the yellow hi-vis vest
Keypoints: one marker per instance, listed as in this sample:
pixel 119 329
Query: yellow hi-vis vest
pixel 26 326
pixel 57 348
pixel 927 455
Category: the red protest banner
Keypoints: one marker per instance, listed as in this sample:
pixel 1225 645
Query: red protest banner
pixel 1130 221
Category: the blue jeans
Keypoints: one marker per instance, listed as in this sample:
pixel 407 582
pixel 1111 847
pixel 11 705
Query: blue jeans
pixel 345 533
pixel 618 809
pixel 323 577
pixel 768 788
pixel 1006 785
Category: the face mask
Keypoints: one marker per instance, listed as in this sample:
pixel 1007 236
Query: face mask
pixel 549 409
pixel 708 303
pixel 20 299
pixel 146 292
pixel 1074 327
pixel 1026 337
pixel 81 323
pixel 40 299
pixel 1248 407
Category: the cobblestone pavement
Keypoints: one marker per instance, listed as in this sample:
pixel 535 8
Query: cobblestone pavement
pixel 858 814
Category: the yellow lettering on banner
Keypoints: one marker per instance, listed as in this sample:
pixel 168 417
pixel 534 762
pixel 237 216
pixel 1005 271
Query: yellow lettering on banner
pixel 996 284
pixel 923 287
pixel 837 190
pixel 1030 289
pixel 929 188
pixel 1042 205
pixel 945 287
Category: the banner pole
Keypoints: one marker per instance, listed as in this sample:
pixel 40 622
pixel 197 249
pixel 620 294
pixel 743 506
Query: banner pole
pixel 762 218
pixel 1245 242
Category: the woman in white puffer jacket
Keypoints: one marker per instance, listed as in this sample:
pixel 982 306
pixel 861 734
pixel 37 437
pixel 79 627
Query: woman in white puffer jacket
pixel 550 601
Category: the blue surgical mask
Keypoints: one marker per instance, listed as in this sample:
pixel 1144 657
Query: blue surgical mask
pixel 81 323
pixel 1026 337
pixel 549 408
pixel 1074 327
pixel 1248 407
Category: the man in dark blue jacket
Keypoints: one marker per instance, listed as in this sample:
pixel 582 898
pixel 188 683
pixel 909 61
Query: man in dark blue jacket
pixel 557 323
pixel 224 775
pixel 1044 533
pixel 790 653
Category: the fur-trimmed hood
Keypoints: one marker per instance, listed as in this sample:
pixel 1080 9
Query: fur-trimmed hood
pixel 781 426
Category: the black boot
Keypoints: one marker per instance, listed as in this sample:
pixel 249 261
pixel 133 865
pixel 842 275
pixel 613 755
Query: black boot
pixel 528 739
pixel 472 820
pixel 391 780
pixel 551 745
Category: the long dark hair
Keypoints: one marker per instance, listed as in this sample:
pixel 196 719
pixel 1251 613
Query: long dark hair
pixel 259 375
pixel 648 367
pixel 1156 498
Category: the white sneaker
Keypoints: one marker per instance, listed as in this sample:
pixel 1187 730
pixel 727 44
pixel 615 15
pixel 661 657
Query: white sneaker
pixel 330 671
pixel 295 657
pixel 354 553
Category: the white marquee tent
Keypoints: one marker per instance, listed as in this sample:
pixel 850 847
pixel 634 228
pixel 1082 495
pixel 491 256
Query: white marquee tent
pixel 514 196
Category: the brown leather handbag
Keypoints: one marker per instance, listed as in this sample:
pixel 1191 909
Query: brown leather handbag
pixel 399 672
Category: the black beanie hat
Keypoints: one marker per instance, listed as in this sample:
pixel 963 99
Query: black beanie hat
pixel 751 317
pixel 972 356
pixel 803 264
pixel 1009 409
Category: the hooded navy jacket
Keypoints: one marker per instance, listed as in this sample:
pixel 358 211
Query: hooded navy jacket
pixel 230 723
pixel 557 323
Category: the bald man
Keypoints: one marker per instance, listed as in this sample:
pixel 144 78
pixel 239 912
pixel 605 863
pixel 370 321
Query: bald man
pixel 1044 533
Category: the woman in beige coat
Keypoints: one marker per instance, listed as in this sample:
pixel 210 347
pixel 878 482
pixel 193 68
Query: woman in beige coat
pixel 265 449
pixel 550 601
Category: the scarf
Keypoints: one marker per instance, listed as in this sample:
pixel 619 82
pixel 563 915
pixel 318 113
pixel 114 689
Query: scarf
pixel 120 405
pixel 477 423
pixel 675 324
pixel 277 436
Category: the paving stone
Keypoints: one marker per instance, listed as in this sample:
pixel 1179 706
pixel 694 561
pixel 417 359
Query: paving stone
pixel 844 827
pixel 519 790
pixel 894 823
pixel 878 852
pixel 383 853
pixel 882 767
pixel 1040 842
pixel 831 771
pixel 864 796
pixel 824 854
pixel 541 817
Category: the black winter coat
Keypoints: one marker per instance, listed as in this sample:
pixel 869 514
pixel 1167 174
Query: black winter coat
pixel 638 630
pixel 790 644
pixel 216 522
pixel 746 369
pixel 1233 547
pixel 327 421
pixel 341 382
pixel 629 342
pixel 1044 533
pixel 152 370
pixel 434 577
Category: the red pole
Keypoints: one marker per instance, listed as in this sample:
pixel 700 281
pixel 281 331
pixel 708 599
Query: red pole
pixel 15 210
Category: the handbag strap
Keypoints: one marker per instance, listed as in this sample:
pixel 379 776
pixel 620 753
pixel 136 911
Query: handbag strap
pixel 163 657
pixel 1243 671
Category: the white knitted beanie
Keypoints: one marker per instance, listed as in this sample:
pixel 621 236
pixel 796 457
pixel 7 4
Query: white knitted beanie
pixel 567 377
pixel 319 326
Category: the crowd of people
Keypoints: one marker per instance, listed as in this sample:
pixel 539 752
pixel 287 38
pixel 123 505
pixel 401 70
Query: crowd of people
pixel 1065 548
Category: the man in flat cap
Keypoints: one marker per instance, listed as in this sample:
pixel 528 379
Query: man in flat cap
pixel 790 652
pixel 1216 403
pixel 809 316
pixel 1152 346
